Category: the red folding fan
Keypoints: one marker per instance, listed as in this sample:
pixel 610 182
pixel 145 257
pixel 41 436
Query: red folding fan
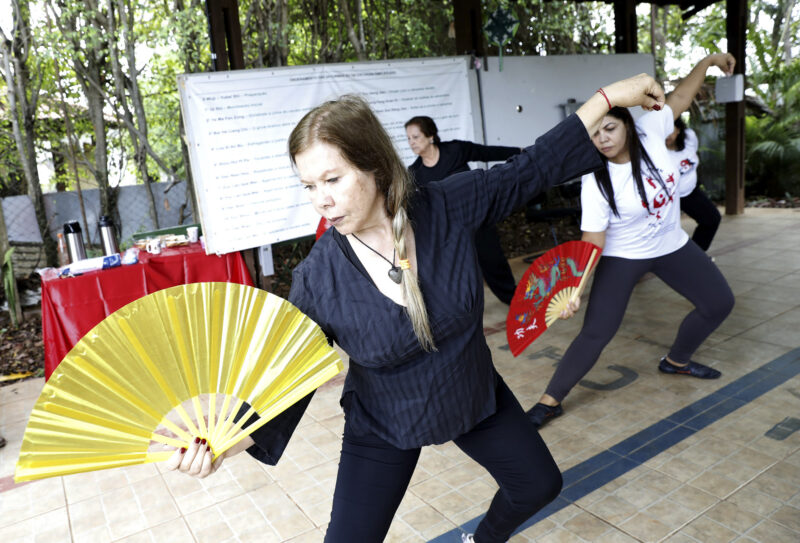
pixel 548 284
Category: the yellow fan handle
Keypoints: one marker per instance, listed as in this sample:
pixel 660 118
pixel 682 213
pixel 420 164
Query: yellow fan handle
pixel 559 302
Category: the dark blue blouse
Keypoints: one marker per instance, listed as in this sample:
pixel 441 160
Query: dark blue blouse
pixel 394 388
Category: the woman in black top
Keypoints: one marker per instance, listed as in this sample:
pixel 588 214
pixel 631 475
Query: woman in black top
pixel 396 284
pixel 440 159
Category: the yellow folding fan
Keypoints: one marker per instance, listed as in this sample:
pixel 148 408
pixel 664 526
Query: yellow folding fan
pixel 168 367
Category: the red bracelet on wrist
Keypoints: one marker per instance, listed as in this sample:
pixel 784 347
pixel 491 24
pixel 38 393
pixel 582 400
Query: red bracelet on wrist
pixel 601 91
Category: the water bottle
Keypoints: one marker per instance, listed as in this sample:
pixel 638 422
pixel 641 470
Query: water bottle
pixel 108 236
pixel 72 232
pixel 63 252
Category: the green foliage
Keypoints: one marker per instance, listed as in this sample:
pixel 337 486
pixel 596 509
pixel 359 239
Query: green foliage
pixel 773 156
pixel 12 180
pixel 317 31
pixel 773 141
pixel 559 27
pixel 10 287
pixel 680 43
pixel 172 38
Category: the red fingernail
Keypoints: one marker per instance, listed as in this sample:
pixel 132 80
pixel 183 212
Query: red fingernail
pixel 183 450
pixel 197 440
pixel 657 107
pixel 203 442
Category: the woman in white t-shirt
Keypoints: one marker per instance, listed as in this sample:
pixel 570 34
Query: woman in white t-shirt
pixel 682 144
pixel 631 209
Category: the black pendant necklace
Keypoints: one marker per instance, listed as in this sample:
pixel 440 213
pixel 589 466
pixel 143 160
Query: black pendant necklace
pixel 395 274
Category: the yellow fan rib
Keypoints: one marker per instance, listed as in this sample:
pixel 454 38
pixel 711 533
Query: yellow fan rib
pixel 559 301
pixel 123 387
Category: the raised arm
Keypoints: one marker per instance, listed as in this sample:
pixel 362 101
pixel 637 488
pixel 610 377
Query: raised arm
pixel 488 153
pixel 640 90
pixel 681 98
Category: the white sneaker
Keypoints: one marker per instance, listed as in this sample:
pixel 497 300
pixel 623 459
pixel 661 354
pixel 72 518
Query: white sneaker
pixel 467 538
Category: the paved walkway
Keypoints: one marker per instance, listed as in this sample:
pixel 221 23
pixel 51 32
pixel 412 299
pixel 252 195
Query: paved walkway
pixel 646 456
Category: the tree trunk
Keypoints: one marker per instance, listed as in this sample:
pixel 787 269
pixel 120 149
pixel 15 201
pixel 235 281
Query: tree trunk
pixel 372 20
pixel 189 178
pixel 263 32
pixel 324 41
pixel 22 112
pixel 89 64
pixel 283 32
pixel 138 103
pixel 787 35
pixel 360 19
pixel 70 141
pixel 653 16
pixel 138 134
pixel 777 24
pixel 96 103
pixel 188 67
pixel 386 30
pixel 658 43
pixel 351 33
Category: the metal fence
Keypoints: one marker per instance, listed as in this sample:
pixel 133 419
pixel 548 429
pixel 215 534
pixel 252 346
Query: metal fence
pixel 174 208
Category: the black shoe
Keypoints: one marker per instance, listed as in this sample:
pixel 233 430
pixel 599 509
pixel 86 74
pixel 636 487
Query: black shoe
pixel 540 413
pixel 692 369
pixel 2 442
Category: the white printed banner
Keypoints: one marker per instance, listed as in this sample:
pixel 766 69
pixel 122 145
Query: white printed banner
pixel 238 124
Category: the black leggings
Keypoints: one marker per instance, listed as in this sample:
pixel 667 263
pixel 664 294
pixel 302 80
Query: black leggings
pixel 373 476
pixel 698 206
pixel 689 271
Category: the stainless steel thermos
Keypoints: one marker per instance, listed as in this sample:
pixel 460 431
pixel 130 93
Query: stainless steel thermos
pixel 74 237
pixel 108 236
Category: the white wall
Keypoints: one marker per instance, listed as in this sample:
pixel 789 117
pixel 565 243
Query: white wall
pixel 539 85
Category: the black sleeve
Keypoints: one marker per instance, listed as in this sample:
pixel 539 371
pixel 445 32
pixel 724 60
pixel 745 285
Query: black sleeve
pixel 272 438
pixel 488 196
pixel 475 152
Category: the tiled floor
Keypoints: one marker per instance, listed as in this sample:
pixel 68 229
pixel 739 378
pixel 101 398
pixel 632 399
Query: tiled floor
pixel 659 458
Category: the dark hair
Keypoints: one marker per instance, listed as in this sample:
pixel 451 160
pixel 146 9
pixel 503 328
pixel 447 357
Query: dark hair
pixel 680 140
pixel 637 154
pixel 426 126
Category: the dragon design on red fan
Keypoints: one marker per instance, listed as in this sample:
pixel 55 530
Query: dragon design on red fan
pixel 547 285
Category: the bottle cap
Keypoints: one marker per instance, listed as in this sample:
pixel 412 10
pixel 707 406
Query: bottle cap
pixel 105 220
pixel 72 227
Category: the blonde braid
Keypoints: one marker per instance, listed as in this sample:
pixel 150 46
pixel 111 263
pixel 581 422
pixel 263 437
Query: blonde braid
pixel 415 304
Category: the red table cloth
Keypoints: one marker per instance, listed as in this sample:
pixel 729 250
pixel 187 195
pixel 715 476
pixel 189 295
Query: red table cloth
pixel 74 305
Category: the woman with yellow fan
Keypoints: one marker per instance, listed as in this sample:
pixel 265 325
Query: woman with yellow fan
pixel 398 286
pixel 630 209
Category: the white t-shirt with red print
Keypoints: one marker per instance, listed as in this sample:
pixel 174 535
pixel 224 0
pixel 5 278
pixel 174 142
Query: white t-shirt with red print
pixel 638 233
pixel 687 161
